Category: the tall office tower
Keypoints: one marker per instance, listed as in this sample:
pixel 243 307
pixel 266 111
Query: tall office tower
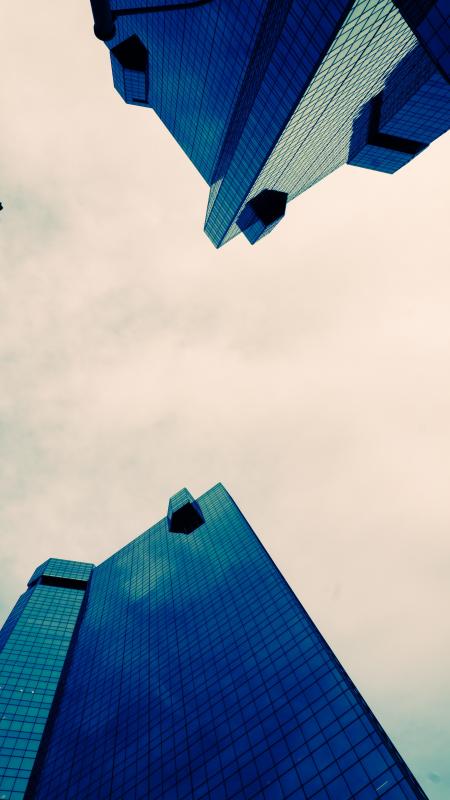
pixel 193 672
pixel 264 95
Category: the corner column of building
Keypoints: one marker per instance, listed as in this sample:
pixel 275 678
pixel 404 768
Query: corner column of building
pixel 35 642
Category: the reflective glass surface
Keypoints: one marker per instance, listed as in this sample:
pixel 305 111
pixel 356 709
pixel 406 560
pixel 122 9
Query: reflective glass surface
pixel 430 21
pixel 416 100
pixel 263 94
pixel 198 674
pixel 315 141
pixel 34 643
pixel 412 111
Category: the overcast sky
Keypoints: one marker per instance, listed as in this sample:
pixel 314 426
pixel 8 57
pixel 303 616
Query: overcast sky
pixel 309 373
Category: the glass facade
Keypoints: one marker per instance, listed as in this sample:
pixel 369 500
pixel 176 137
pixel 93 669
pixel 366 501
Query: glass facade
pixel 315 139
pixel 196 673
pixel 415 100
pixel 33 647
pixel 401 121
pixel 264 95
pixel 430 21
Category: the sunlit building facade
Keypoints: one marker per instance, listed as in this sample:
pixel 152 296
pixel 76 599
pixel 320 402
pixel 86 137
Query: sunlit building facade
pixel 181 668
pixel 264 95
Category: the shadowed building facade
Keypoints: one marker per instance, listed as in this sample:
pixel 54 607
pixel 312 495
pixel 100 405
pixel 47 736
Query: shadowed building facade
pixel 267 97
pixel 184 667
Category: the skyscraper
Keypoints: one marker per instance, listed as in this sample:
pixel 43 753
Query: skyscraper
pixel 192 672
pixel 267 97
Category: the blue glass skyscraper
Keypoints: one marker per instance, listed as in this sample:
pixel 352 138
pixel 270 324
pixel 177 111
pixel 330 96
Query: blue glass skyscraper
pixel 264 95
pixel 192 672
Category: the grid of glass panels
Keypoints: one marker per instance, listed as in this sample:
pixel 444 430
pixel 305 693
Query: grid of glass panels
pixel 430 21
pixel 416 100
pixel 35 640
pixel 306 36
pixel 13 618
pixel 198 58
pixel 373 156
pixel 263 93
pixel 414 107
pixel 62 568
pixel 372 40
pixel 198 674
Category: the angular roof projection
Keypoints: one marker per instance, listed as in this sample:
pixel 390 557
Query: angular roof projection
pixel 273 95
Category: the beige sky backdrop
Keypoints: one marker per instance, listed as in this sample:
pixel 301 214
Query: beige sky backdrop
pixel 310 373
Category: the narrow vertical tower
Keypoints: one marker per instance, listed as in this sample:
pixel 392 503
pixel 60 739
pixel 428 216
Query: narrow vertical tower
pixel 34 644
